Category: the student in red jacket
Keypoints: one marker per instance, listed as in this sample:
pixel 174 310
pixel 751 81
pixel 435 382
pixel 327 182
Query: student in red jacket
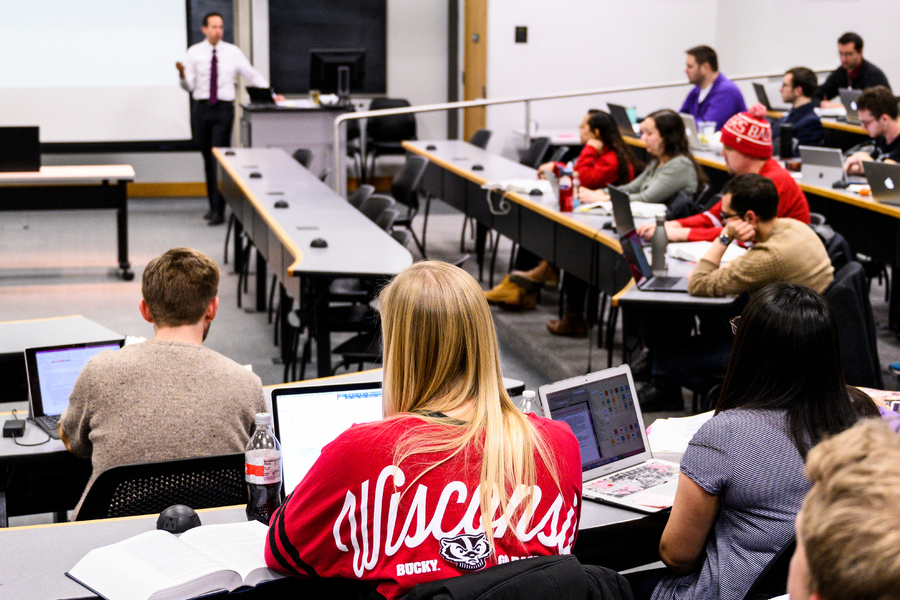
pixel 454 479
pixel 747 148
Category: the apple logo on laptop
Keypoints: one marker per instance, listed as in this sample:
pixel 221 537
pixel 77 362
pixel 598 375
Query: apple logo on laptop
pixel 889 183
pixel 853 105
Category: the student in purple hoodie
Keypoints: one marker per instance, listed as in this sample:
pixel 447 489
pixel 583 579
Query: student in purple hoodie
pixel 714 97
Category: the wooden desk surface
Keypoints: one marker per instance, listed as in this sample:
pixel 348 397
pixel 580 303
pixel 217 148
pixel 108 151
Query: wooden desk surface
pixel 58 175
pixel 356 246
pixel 458 157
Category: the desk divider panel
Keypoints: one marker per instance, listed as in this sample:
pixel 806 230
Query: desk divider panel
pixel 508 224
pixel 276 257
pixel 455 190
pixel 260 234
pixel 538 234
pixel 478 204
pixel 575 254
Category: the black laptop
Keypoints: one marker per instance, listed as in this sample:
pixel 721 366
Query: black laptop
pixel 20 149
pixel 52 371
pixel 259 95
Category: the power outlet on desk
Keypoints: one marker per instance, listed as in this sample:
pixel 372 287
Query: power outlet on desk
pixel 14 428
pixel 521 35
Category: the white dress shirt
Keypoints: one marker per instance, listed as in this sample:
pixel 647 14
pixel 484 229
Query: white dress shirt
pixel 230 62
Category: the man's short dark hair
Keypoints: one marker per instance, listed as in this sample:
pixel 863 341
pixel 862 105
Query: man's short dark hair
pixel 211 14
pixel 879 101
pixel 704 54
pixel 803 78
pixel 851 38
pixel 179 286
pixel 753 192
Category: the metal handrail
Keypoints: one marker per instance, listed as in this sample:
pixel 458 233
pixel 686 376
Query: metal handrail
pixel 340 172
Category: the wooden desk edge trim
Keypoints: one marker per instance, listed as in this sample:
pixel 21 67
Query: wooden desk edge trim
pixel 615 299
pixel 272 223
pixel 520 200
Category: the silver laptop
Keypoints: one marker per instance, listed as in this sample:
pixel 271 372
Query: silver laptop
pixel 824 167
pixel 690 129
pixel 51 372
pixel 848 99
pixel 763 98
pixel 308 418
pixel 884 179
pixel 620 115
pixel 617 465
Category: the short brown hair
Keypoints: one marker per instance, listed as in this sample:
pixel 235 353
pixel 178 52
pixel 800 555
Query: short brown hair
pixel 704 54
pixel 879 101
pixel 851 38
pixel 850 523
pixel 805 79
pixel 179 286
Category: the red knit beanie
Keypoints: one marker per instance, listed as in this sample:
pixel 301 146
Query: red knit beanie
pixel 749 133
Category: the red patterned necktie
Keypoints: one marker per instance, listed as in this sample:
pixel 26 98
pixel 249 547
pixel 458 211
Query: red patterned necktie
pixel 214 79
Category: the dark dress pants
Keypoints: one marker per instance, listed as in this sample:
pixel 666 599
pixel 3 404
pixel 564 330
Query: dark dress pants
pixel 212 126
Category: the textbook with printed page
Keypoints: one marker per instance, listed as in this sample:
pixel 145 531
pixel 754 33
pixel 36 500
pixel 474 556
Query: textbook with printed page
pixel 158 565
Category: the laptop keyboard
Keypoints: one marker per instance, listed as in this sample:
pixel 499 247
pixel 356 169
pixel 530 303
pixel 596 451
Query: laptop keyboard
pixel 50 423
pixel 636 479
pixel 665 282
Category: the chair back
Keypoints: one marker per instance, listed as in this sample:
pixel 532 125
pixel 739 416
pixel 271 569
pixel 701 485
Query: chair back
pixel 405 187
pixel 390 128
pixel 148 488
pixel 772 581
pixel 558 154
pixel 534 156
pixel 481 138
pixel 387 217
pixel 848 297
pixel 304 156
pixel 816 218
pixel 403 236
pixel 361 194
pixel 376 204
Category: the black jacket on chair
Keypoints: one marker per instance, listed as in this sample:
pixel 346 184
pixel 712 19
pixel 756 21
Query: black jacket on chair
pixel 543 578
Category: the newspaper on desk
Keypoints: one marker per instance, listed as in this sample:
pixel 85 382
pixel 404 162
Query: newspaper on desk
pixel 673 435
pixel 694 251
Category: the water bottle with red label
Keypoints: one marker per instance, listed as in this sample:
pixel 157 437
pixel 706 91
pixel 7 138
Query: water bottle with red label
pixel 565 190
pixel 262 468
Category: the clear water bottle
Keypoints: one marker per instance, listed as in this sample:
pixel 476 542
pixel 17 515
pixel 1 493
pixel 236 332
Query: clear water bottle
pixel 528 402
pixel 576 190
pixel 658 247
pixel 262 468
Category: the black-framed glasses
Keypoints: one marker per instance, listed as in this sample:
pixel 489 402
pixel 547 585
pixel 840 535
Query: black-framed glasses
pixel 734 323
pixel 728 216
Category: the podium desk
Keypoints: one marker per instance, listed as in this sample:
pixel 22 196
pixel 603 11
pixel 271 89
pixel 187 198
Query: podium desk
pixel 252 180
pixel 74 188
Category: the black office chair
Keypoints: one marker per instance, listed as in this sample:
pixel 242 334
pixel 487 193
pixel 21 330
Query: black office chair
pixel 361 194
pixel 558 155
pixel 534 156
pixel 405 190
pixel 304 156
pixel 481 138
pixel 147 488
pixel 772 581
pixel 376 204
pixel 384 135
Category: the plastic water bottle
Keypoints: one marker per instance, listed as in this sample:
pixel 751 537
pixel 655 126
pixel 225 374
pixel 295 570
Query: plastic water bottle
pixel 565 190
pixel 528 404
pixel 262 468
pixel 576 190
pixel 658 247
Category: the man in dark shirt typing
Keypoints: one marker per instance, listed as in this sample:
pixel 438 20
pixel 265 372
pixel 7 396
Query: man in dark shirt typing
pixel 855 72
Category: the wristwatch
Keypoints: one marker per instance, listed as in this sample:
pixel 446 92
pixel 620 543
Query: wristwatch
pixel 724 239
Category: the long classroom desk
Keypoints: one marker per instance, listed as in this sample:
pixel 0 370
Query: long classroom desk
pixel 573 241
pixel 74 188
pixel 356 247
pixel 34 559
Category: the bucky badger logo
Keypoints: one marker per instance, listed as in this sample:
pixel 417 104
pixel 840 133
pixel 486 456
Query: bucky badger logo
pixel 466 551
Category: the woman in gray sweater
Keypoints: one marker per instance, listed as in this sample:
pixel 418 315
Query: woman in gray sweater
pixel 672 169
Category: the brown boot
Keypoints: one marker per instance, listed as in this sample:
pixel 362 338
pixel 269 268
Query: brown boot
pixel 542 275
pixel 509 296
pixel 571 325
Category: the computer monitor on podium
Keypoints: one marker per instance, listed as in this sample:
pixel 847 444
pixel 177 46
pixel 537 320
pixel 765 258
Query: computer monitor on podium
pixel 337 70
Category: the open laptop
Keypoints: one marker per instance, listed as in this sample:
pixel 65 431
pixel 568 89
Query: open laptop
pixel 620 115
pixel 848 99
pixel 763 98
pixel 51 372
pixel 20 149
pixel 632 248
pixel 617 465
pixel 824 167
pixel 690 129
pixel 884 179
pixel 308 418
pixel 259 95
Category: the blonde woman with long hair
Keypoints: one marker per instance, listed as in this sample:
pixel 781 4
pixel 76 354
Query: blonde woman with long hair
pixel 454 479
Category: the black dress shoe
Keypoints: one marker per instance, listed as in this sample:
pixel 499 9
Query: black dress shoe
pixel 660 395
pixel 209 215
pixel 216 219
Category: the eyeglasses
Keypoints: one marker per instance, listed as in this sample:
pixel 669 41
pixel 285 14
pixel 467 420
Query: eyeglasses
pixel 866 122
pixel 734 323
pixel 728 216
